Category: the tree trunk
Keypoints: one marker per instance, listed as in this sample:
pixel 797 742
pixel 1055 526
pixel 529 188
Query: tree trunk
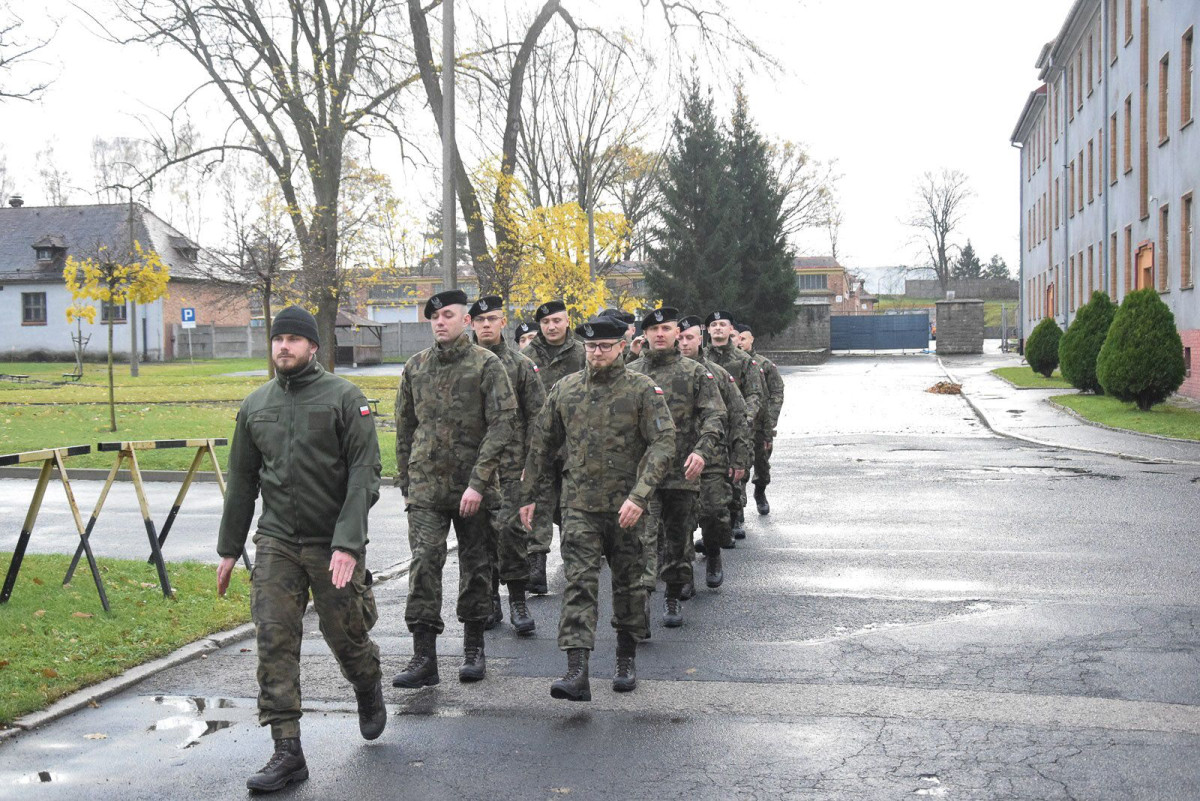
pixel 267 325
pixel 112 401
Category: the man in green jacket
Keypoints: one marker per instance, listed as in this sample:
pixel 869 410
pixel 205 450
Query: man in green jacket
pixel 697 410
pixel 509 546
pixel 556 354
pixel 454 418
pixel 307 441
pixel 768 418
pixel 616 432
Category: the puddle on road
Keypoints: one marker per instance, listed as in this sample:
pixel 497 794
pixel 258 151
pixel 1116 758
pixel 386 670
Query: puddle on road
pixel 191 719
pixel 1052 472
pixel 933 786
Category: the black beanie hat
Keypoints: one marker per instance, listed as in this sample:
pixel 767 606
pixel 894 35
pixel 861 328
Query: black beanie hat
pixel 296 320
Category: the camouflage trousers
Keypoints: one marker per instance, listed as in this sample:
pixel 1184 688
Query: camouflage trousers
pixel 546 514
pixel 508 544
pixel 428 530
pixel 712 509
pixel 588 537
pixel 283 576
pixel 652 543
pixel 737 501
pixel 671 521
pixel 762 460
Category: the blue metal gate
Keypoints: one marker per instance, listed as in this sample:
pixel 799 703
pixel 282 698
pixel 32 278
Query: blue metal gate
pixel 879 331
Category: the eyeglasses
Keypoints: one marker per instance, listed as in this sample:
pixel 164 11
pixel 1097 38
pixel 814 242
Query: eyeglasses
pixel 603 347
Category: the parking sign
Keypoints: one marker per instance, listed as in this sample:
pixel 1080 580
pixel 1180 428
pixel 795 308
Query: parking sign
pixel 188 316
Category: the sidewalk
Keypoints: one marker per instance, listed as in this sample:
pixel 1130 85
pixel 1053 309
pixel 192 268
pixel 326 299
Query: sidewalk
pixel 1027 414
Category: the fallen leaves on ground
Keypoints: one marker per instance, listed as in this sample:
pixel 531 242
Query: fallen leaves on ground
pixel 95 736
pixel 945 388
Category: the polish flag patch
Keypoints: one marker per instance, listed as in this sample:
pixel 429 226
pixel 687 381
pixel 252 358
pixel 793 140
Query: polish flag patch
pixel 364 411
pixel 708 375
pixel 658 390
pixel 535 369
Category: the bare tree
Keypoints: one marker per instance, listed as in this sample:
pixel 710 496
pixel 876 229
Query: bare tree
pixel 18 49
pixel 939 204
pixel 6 185
pixel 635 191
pixel 298 79
pixel 833 227
pixel 806 185
pixel 55 181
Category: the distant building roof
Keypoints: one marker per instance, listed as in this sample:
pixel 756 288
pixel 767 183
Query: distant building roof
pixel 79 229
pixel 815 263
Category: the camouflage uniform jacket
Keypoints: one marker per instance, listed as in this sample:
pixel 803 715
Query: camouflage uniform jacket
pixel 308 442
pixel 745 371
pixel 618 435
pixel 455 413
pixel 737 448
pixel 696 408
pixel 531 395
pixel 768 416
pixel 568 359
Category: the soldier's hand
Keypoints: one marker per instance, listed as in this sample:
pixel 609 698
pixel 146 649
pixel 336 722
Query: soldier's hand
pixel 342 567
pixel 693 466
pixel 527 516
pixel 767 445
pixel 469 504
pixel 224 571
pixel 630 514
pixel 738 474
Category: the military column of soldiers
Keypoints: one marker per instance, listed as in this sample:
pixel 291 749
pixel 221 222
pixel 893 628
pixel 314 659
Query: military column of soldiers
pixel 627 443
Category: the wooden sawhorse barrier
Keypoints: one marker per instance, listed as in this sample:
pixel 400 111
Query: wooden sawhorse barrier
pixel 128 450
pixel 50 458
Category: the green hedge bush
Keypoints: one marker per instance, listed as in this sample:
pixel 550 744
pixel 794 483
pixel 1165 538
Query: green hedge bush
pixel 1080 345
pixel 1041 348
pixel 1142 357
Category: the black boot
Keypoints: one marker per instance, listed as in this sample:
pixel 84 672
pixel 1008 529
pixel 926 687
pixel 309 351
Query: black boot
pixel 625 678
pixel 372 714
pixel 474 665
pixel 574 685
pixel 497 615
pixel 739 525
pixel 713 572
pixel 518 610
pixel 688 592
pixel 760 498
pixel 286 766
pixel 537 574
pixel 422 669
pixel 672 608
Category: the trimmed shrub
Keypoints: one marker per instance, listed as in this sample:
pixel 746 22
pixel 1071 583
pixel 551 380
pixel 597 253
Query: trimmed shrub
pixel 1041 348
pixel 1142 357
pixel 1080 345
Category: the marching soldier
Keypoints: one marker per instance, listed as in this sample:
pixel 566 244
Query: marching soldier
pixel 524 334
pixel 733 458
pixel 556 354
pixel 617 434
pixel 509 545
pixel 307 440
pixel 768 419
pixel 697 410
pixel 746 373
pixel 454 418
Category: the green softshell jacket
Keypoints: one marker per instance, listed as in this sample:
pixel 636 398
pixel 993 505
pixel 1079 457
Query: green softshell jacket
pixel 308 443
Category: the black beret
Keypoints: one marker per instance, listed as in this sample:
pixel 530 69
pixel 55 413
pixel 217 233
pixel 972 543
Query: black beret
pixel 601 328
pixel 450 297
pixel 743 328
pixel 487 303
pixel 525 328
pixel 548 308
pixel 617 314
pixel 296 320
pixel 664 315
pixel 687 322
pixel 719 314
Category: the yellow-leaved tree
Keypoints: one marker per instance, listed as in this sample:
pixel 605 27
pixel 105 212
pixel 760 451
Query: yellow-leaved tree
pixel 114 277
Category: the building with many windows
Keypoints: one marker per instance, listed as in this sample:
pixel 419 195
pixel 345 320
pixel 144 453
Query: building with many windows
pixel 1110 159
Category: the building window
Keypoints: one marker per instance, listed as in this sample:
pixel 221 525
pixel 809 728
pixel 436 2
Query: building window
pixel 1128 21
pixel 804 282
pixel 1080 182
pixel 1079 81
pixel 1091 169
pixel 1112 29
pixel 1057 200
pixel 1164 246
pixel 1187 230
pixel 1091 63
pixel 1071 282
pixel 1185 79
pixel 1071 189
pixel 1187 362
pixel 1055 99
pixel 1112 149
pixel 1112 266
pixel 114 313
pixel 1070 92
pixel 1091 275
pixel 33 308
pixel 1128 259
pixel 45 254
pixel 1164 80
pixel 1129 134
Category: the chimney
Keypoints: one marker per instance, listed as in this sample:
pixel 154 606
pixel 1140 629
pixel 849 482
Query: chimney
pixel 16 201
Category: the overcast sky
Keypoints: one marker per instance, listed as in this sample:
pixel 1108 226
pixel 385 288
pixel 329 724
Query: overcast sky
pixel 888 89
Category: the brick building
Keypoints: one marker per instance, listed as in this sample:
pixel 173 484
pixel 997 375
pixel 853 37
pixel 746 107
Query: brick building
pixel 1109 163
pixel 35 242
pixel 823 279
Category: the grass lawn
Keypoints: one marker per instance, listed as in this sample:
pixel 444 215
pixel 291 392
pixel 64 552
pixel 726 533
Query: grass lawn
pixel 58 639
pixel 991 308
pixel 1024 376
pixel 167 401
pixel 1165 420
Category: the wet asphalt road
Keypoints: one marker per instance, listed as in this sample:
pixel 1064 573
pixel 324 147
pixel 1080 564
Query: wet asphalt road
pixel 929 611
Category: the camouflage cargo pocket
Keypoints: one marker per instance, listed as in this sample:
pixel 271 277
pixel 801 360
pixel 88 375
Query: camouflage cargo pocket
pixel 370 610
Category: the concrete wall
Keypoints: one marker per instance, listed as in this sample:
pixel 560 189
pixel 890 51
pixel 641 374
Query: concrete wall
pixel 984 288
pixel 959 326
pixel 805 341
